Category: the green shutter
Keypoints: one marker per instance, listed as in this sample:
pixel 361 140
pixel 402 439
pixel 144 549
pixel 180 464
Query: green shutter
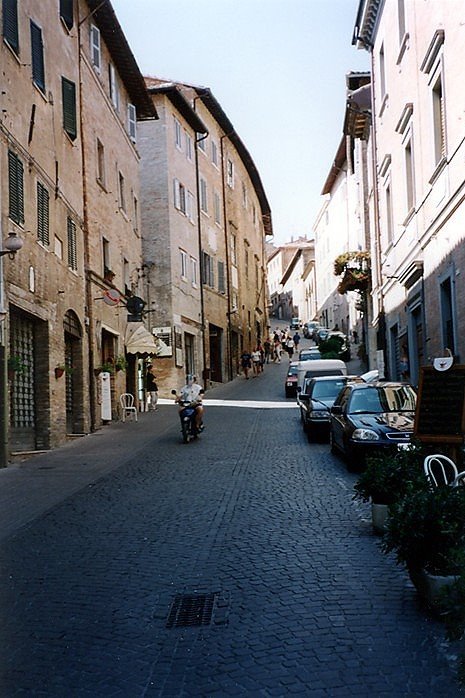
pixel 37 55
pixel 72 250
pixel 66 13
pixel 10 24
pixel 16 188
pixel 42 214
pixel 68 89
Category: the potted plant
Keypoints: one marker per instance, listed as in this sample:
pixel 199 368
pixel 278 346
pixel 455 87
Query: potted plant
pixel 61 369
pixel 426 531
pixel 388 476
pixel 106 367
pixel 121 363
pixel 15 366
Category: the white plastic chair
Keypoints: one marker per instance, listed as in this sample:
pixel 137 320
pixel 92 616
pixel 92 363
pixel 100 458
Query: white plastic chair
pixel 441 470
pixel 126 401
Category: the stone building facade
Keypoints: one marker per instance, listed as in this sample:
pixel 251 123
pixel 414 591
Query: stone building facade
pixel 417 208
pixel 71 94
pixel 205 221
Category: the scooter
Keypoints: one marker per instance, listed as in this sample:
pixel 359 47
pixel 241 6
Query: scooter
pixel 189 429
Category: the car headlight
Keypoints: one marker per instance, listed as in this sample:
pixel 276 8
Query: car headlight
pixel 365 435
pixel 319 414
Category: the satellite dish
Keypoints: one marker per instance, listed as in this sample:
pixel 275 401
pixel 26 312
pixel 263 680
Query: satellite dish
pixel 111 297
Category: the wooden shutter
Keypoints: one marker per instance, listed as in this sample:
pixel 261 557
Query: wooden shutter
pixel 37 55
pixel 95 46
pixel 68 90
pixel 132 122
pixel 16 188
pixel 10 24
pixel 42 214
pixel 72 248
pixel 66 13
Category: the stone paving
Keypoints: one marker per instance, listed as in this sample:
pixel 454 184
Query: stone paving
pixel 250 516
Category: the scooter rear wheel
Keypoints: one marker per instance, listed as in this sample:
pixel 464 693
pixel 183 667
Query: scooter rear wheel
pixel 185 433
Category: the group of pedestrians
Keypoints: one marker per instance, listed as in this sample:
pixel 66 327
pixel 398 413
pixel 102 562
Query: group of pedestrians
pixel 271 351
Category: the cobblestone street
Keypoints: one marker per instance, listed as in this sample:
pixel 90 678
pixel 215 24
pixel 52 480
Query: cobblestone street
pixel 254 519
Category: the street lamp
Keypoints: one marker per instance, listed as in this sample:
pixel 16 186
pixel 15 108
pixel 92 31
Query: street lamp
pixel 11 245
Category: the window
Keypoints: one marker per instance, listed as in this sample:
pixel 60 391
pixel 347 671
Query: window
pixel 121 191
pixel 447 314
pixel 136 214
pixel 113 84
pixel 230 173
pixel 233 249
pixel 100 163
pixel 207 270
pixel 179 196
pixel 68 93
pixel 15 188
pixel 217 207
pixel 203 195
pixel 194 271
pixel 177 134
pixel 72 246
pixel 214 153
pixel 202 143
pixel 66 13
pixel 190 206
pixel 246 263
pixel 106 258
pixel 254 215
pixel 389 216
pixel 42 214
pixel 409 174
pixel 382 72
pixel 439 125
pixel 126 278
pixel 184 271
pixel 188 140
pixel 132 122
pixel 10 24
pixel 244 195
pixel 37 57
pixel 221 279
pixel 95 55
pixel 401 18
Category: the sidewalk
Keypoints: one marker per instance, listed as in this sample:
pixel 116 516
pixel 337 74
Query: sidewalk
pixel 33 486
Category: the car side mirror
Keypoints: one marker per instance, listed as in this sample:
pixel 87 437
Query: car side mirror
pixel 336 409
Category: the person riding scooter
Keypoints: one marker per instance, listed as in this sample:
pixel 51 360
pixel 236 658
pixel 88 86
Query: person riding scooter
pixel 192 393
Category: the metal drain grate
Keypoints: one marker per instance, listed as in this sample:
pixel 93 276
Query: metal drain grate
pixel 190 610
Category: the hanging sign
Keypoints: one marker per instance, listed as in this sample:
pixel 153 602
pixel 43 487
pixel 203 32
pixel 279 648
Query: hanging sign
pixel 163 340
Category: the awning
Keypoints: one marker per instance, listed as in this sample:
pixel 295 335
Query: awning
pixel 139 340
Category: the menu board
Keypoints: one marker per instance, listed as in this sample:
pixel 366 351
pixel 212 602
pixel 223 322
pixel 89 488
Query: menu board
pixel 440 411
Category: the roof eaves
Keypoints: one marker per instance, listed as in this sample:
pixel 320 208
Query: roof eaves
pixel 336 167
pixel 217 112
pixel 105 18
pixel 178 100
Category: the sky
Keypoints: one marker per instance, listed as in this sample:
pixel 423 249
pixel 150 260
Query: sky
pixel 277 67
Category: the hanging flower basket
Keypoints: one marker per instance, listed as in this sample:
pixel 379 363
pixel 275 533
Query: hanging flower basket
pixel 354 280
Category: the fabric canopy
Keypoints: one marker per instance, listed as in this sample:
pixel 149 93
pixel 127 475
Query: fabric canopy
pixel 139 340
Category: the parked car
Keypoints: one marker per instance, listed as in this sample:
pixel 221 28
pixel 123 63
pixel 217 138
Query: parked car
pixel 321 334
pixel 315 401
pixel 337 344
pixel 290 384
pixel 310 329
pixel 295 323
pixel 322 367
pixel 366 417
pixel 309 354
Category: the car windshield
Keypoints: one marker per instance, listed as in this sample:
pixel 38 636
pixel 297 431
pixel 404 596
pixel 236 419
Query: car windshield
pixel 309 355
pixel 292 371
pixel 389 398
pixel 327 389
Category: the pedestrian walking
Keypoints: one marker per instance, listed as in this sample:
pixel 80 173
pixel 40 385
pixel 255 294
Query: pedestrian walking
pixel 296 339
pixel 267 350
pixel 256 359
pixel 246 362
pixel 277 351
pixel 151 389
pixel 290 347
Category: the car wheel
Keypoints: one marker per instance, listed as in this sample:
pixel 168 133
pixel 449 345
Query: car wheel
pixel 302 418
pixel 310 434
pixel 351 463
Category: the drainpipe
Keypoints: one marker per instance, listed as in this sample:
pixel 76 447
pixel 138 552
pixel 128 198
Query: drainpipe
pixel 199 229
pixel 228 276
pixel 85 230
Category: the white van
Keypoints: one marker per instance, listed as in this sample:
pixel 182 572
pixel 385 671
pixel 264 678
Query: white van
pixel 319 367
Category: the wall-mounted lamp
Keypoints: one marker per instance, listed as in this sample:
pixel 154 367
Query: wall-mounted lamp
pixel 11 245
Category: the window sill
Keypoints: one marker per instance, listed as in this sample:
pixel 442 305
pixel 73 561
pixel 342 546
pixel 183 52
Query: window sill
pixel 438 170
pixel 404 45
pixel 102 185
pixel 408 217
pixel 384 102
